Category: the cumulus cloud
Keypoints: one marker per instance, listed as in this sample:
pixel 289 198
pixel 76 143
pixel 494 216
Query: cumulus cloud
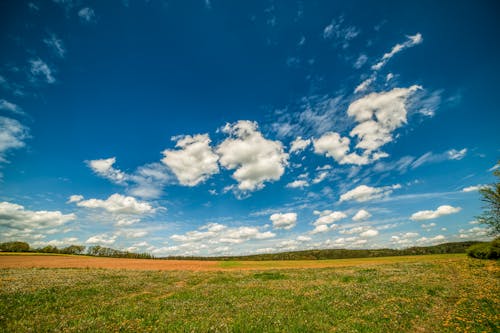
pixel 328 217
pixel 299 144
pixel 434 214
pixel 75 198
pixel 194 162
pixel 410 42
pixel 298 184
pixel 40 68
pixel 364 193
pixel 361 215
pixel 12 136
pixel 17 217
pixel 104 168
pixel 255 159
pixel 369 233
pixel 215 233
pixel 333 145
pixel 284 221
pixel 378 115
pixel 117 204
pixel 102 239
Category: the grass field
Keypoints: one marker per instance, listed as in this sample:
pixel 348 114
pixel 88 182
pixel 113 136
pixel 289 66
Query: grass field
pixel 441 293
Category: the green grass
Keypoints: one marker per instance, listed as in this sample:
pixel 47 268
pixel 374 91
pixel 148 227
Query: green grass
pixel 434 294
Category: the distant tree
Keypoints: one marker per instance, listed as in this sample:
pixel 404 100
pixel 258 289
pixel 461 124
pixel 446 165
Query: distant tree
pixel 14 247
pixel 73 249
pixel 491 198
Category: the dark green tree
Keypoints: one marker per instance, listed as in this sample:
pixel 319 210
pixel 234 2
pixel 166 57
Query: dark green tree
pixel 491 198
pixel 15 247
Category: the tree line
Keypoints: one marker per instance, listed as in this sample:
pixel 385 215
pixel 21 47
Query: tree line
pixel 96 250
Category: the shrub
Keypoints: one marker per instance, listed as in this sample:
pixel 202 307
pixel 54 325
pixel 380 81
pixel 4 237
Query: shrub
pixel 490 250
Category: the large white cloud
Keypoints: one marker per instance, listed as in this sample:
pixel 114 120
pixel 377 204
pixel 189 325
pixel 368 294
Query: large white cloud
pixel 434 214
pixel 255 159
pixel 378 115
pixel 333 145
pixel 194 162
pixel 364 193
pixel 17 217
pixel 12 136
pixel 117 204
pixel 284 221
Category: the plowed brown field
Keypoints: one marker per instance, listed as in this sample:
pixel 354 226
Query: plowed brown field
pixel 50 261
pixel 67 261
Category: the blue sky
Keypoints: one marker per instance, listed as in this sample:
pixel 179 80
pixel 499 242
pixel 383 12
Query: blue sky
pixel 222 127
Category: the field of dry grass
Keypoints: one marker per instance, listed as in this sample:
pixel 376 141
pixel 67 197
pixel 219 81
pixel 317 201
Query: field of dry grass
pixel 444 293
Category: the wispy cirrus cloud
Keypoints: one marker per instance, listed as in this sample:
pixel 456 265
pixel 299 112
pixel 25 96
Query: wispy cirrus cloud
pixel 410 42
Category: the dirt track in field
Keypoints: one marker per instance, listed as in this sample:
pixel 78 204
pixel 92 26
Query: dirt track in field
pixel 40 261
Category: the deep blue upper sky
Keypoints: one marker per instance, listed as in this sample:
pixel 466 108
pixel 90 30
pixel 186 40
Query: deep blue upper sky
pixel 222 127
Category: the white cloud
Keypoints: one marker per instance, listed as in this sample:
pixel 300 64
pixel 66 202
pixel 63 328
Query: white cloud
pixel 87 14
pixel 105 169
pixel 320 177
pixel 284 221
pixel 369 233
pixel 430 157
pixel 17 217
pixel 432 240
pixel 473 188
pixel 361 215
pixel 434 214
pixel 56 45
pixel 364 85
pixel 215 233
pixel 11 107
pixel 364 193
pixel 454 154
pixel 12 136
pixel 255 158
pixel 298 184
pixel 118 204
pixel 378 115
pixel 322 228
pixel 194 162
pixel 299 144
pixel 75 198
pixel 102 239
pixel 327 217
pixel 333 145
pixel 40 68
pixel 411 41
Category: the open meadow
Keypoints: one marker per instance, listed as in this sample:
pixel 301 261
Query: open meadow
pixel 438 293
